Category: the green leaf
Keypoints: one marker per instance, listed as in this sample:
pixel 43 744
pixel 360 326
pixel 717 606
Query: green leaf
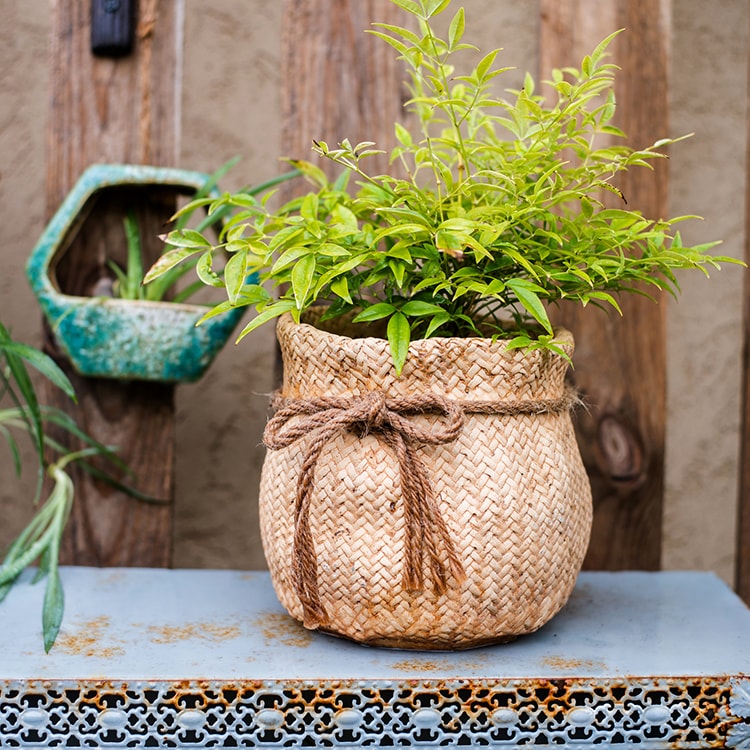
pixel 170 259
pixel 41 362
pixel 601 48
pixel 243 300
pixel 399 334
pixel 313 173
pixel 434 7
pixel 406 216
pixel 409 6
pixel 332 250
pixel 204 270
pixel 456 28
pixel 32 413
pixel 14 450
pixel 605 297
pixel 302 276
pixel 398 270
pixel 450 243
pixel 401 251
pixel 135 257
pixel 375 312
pixel 399 229
pixel 274 310
pixel 11 570
pixel 527 296
pixel 528 84
pixel 345 217
pixel 52 609
pixel 397 44
pixel 587 66
pixel 519 342
pixel 486 63
pixel 186 238
pixel 235 275
pixel 45 562
pixel 438 320
pixel 402 135
pixel 309 208
pixel 340 287
pixel 417 308
pixel 404 33
pixel 289 257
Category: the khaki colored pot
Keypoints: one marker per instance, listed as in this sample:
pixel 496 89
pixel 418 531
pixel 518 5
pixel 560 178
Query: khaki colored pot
pixel 492 544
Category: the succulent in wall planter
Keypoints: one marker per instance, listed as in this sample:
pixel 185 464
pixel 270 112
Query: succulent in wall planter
pixel 423 487
pixel 117 327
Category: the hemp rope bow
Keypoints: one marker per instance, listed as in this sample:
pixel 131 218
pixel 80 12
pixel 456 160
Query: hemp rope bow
pixel 386 417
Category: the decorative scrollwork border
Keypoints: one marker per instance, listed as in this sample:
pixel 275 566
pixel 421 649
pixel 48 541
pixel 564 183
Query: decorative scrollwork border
pixel 654 713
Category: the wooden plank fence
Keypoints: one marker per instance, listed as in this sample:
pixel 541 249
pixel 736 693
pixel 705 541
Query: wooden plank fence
pixel 124 110
pixel 743 515
pixel 620 363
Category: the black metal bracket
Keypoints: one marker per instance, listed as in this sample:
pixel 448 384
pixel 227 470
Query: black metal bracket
pixel 112 27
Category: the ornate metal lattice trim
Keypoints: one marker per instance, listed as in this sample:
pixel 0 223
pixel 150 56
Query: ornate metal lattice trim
pixel 652 713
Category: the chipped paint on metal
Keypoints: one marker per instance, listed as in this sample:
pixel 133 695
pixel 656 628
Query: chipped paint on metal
pixel 283 629
pixel 573 665
pixel 652 713
pixel 87 638
pixel 207 631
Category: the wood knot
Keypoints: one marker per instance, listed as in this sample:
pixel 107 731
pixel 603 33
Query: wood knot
pixel 621 451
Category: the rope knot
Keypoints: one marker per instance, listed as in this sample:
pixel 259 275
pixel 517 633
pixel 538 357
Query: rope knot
pixel 427 537
pixel 376 412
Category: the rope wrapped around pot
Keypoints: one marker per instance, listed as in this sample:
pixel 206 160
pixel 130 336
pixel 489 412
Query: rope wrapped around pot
pixel 426 536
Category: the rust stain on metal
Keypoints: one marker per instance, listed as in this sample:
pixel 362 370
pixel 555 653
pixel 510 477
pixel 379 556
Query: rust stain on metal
pixel 113 577
pixel 417 665
pixel 559 662
pixel 280 627
pixel 87 640
pixel 207 631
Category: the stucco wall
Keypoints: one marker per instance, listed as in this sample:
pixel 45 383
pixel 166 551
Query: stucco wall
pixel 709 85
pixel 231 106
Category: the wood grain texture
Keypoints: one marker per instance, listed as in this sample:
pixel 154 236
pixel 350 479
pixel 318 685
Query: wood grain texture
pixel 743 528
pixel 620 363
pixel 338 81
pixel 107 110
pixel 743 519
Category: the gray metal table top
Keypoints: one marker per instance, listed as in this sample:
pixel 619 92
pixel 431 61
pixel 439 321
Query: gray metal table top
pixel 655 658
pixel 138 624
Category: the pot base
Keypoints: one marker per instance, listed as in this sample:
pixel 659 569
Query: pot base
pixel 397 643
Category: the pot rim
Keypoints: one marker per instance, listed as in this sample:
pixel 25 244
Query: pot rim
pixel 325 363
pixel 563 335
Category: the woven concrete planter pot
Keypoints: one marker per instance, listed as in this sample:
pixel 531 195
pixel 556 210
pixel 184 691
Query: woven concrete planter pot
pixel 446 508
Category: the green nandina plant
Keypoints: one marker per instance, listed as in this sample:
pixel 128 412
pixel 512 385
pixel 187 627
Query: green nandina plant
pixel 129 281
pixel 495 212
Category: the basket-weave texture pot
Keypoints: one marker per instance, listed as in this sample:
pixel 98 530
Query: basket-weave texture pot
pixel 479 434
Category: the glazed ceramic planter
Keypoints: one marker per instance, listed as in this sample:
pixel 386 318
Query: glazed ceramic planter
pixel 109 337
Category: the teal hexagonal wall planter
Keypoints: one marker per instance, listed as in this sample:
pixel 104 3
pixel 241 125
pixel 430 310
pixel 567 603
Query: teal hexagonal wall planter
pixel 109 337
